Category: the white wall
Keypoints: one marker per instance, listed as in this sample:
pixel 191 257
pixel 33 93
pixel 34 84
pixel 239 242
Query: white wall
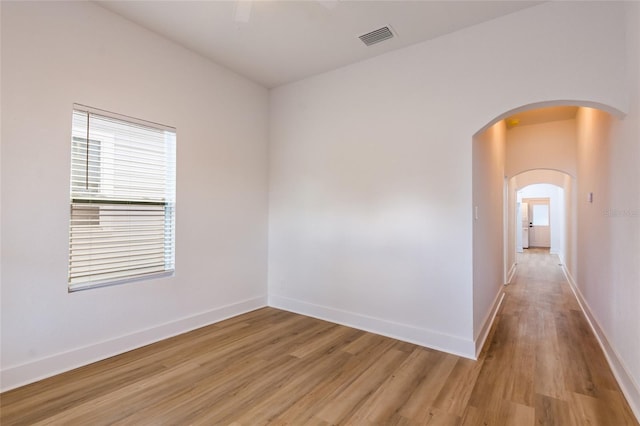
pixel 370 212
pixel 571 219
pixel 488 227
pixel 549 145
pixel 58 53
pixel 608 270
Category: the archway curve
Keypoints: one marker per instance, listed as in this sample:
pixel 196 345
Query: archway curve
pixel 554 233
pixel 564 236
pixel 554 173
pixel 492 265
pixel 545 104
pixel 521 188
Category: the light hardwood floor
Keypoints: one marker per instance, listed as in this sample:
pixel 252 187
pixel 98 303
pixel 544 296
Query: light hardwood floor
pixel 541 366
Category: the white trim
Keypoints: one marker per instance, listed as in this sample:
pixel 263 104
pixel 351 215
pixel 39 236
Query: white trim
pixel 72 288
pixel 627 383
pixel 109 114
pixel 569 277
pixel 19 375
pixel 488 322
pixel 420 336
pixel 512 273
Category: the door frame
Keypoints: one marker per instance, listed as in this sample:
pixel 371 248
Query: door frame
pixel 532 202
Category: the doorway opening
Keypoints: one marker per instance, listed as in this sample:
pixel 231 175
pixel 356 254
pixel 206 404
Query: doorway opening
pixel 535 214
pixel 533 144
pixel 543 215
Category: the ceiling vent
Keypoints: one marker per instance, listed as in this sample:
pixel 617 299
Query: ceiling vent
pixel 376 36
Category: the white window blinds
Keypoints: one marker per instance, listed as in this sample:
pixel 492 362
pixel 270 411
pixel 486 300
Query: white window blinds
pixel 122 199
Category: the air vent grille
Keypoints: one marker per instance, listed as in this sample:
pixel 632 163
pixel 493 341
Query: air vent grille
pixel 376 36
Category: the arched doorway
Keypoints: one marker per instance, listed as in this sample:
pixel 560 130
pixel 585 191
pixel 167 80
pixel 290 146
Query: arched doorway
pixel 559 188
pixel 506 147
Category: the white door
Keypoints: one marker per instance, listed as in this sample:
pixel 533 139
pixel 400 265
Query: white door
pixel 524 214
pixel 539 227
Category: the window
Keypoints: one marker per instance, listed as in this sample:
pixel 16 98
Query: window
pixel 540 215
pixel 122 224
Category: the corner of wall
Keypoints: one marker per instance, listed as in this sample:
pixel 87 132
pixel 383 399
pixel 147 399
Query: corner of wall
pixel 420 336
pixel 483 333
pixel 19 375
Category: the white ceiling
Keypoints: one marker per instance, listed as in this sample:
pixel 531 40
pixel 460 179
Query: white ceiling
pixel 285 41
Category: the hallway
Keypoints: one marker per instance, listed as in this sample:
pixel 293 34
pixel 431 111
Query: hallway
pixel 543 364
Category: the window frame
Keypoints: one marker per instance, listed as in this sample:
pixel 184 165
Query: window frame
pixel 120 212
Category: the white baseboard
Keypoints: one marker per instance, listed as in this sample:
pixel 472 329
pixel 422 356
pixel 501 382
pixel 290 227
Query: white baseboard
pixel 488 322
pixel 408 333
pixel 18 375
pixel 572 282
pixel 630 388
pixel 512 273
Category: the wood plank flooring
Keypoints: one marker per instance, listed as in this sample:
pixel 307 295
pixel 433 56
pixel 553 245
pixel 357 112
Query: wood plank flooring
pixel 541 366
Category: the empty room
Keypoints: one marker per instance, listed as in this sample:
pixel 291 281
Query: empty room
pixel 320 212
